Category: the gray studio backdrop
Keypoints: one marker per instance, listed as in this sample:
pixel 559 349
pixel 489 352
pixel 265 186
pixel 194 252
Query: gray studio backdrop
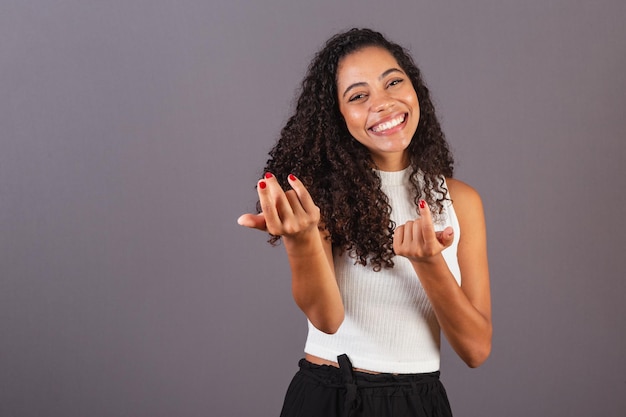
pixel 133 132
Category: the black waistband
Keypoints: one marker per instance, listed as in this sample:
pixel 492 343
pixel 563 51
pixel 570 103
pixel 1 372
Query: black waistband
pixel 332 375
pixel 346 377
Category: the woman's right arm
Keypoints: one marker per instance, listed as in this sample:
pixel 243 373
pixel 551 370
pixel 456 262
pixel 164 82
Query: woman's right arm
pixel 294 216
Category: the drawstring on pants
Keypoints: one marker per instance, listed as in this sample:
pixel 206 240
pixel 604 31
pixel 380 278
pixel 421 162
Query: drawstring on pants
pixel 331 391
pixel 345 392
pixel 350 403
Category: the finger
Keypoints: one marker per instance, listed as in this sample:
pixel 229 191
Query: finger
pixel 253 221
pixel 398 237
pixel 409 232
pixel 280 201
pixel 268 205
pixel 416 227
pixel 427 227
pixel 303 194
pixel 446 236
pixel 295 203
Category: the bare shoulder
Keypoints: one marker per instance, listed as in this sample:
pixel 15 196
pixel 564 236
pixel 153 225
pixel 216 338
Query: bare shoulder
pixel 468 207
pixel 463 196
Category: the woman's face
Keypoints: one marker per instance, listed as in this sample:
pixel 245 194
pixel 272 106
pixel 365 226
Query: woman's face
pixel 379 104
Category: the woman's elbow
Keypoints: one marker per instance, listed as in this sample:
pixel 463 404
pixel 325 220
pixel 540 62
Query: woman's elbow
pixel 478 356
pixel 329 325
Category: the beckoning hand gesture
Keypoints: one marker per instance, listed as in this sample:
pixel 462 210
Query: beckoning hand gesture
pixel 288 214
pixel 417 239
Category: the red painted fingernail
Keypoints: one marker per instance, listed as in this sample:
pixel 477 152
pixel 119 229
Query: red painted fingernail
pixel 422 204
pixel 292 177
pixel 262 185
pixel 268 175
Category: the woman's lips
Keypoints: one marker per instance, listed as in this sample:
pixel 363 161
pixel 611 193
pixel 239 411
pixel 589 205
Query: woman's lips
pixel 389 123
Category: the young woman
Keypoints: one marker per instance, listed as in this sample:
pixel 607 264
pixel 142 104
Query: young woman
pixel 386 249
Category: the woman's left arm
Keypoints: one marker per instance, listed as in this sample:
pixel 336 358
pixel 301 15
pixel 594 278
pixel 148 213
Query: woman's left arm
pixel 463 312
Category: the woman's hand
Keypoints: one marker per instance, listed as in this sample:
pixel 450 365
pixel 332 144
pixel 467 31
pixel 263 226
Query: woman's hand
pixel 294 216
pixel 463 311
pixel 290 214
pixel 417 239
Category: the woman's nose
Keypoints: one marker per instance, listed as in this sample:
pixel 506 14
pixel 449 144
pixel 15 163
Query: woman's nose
pixel 381 103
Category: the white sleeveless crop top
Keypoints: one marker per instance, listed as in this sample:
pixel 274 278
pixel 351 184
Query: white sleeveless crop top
pixel 389 324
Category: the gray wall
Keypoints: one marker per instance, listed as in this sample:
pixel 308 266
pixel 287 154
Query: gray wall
pixel 132 134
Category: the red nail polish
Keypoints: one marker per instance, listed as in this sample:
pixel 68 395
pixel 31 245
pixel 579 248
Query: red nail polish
pixel 262 185
pixel 268 175
pixel 422 204
pixel 292 177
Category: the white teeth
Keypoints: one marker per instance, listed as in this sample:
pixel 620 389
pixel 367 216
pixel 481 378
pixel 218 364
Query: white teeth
pixel 388 125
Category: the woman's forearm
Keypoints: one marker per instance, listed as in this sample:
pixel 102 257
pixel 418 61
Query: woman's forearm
pixel 314 285
pixel 468 330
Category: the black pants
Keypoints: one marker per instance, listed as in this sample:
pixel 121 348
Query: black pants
pixel 327 391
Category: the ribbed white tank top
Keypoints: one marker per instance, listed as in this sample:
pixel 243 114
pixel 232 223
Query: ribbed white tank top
pixel 389 324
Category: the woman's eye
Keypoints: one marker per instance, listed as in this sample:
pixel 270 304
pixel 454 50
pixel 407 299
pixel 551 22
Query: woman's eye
pixel 395 82
pixel 356 97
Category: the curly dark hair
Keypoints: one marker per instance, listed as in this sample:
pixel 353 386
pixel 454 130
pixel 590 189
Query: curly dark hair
pixel 338 171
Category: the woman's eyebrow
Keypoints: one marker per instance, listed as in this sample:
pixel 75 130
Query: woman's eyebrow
pixel 352 86
pixel 362 83
pixel 389 71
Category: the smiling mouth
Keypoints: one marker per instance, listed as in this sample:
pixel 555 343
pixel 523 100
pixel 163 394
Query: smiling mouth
pixel 389 124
